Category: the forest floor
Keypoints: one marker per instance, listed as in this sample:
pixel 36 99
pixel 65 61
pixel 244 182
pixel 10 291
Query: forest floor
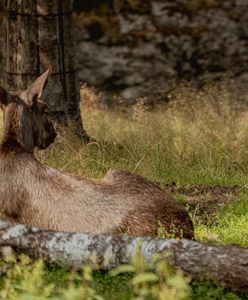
pixel 197 149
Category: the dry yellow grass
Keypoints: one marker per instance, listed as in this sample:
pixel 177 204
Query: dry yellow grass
pixel 201 137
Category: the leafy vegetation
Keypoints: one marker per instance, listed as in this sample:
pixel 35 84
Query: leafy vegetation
pixel 201 138
pixel 27 280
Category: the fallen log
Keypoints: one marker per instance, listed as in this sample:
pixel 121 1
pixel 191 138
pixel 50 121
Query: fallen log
pixel 226 265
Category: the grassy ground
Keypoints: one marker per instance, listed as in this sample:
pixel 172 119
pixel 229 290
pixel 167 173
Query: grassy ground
pixel 193 141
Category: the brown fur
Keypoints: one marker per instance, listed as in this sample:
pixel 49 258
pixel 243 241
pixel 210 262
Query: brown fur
pixel 38 195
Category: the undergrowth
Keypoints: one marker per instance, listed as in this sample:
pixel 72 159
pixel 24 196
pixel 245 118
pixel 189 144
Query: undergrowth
pixel 201 138
pixel 27 280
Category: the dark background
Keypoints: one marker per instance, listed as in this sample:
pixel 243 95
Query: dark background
pixel 133 48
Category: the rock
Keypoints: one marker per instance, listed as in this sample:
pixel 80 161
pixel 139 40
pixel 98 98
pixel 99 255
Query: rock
pixel 143 46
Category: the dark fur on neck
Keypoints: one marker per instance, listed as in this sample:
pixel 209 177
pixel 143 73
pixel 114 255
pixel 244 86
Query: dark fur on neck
pixel 17 131
pixel 11 145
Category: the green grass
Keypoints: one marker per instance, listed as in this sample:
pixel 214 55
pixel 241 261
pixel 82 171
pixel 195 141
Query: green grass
pixel 194 141
pixel 231 225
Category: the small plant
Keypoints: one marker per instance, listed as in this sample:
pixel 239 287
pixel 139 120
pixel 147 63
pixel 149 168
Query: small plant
pixel 181 198
pixel 163 234
pixel 26 280
pixel 156 281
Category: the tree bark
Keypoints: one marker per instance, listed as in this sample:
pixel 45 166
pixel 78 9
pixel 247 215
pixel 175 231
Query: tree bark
pixel 37 34
pixel 226 265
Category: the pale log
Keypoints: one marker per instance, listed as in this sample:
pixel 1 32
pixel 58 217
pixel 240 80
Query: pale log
pixel 226 265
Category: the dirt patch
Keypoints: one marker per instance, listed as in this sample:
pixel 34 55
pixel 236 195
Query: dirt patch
pixel 204 202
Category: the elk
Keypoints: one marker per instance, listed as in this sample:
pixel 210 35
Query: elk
pixel 38 195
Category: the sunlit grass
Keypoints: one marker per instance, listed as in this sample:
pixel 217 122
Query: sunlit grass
pixel 230 227
pixel 190 142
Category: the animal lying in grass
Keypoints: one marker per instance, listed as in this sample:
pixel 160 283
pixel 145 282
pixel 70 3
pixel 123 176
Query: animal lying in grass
pixel 41 196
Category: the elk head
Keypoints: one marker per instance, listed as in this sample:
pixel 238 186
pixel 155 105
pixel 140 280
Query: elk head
pixel 25 116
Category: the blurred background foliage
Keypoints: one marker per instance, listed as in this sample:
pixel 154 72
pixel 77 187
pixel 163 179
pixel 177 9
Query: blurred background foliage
pixel 131 49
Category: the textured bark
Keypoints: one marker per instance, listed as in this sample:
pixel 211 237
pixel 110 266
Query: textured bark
pixel 226 265
pixel 20 47
pixel 37 34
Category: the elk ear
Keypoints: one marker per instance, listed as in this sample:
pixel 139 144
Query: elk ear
pixel 37 87
pixel 3 96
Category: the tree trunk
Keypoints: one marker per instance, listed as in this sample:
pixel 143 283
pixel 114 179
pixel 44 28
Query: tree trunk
pixel 226 265
pixel 37 34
